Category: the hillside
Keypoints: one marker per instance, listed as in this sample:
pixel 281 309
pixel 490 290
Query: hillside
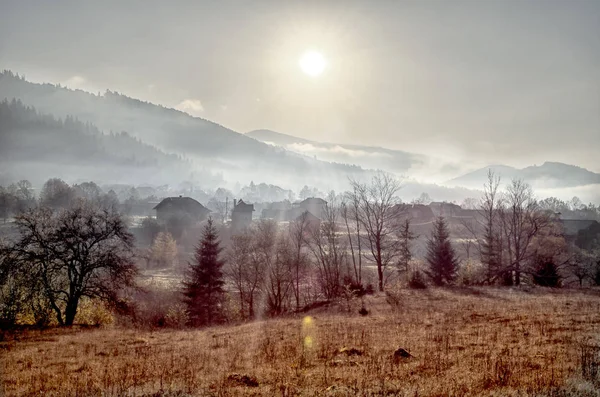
pixel 209 145
pixel 37 146
pixel 547 175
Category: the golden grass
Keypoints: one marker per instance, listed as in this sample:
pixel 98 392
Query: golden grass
pixel 464 342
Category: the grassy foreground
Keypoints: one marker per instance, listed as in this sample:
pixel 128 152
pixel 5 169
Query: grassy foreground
pixel 463 342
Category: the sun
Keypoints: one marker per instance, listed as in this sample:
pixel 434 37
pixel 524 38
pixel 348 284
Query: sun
pixel 312 63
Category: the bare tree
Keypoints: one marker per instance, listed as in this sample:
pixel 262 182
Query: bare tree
pixel 279 278
pixel 522 221
pixel 222 208
pixel 299 231
pixel 56 193
pixel 349 210
pixel 75 253
pixel 238 260
pixel 263 261
pixel 379 216
pixel 164 250
pixel 250 257
pixel 25 198
pixel 241 271
pixel 490 248
pixel 88 190
pixel 7 203
pixel 329 251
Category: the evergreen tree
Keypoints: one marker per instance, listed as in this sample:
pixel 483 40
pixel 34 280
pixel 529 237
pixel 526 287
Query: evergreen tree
pixel 441 257
pixel 203 289
pixel 405 236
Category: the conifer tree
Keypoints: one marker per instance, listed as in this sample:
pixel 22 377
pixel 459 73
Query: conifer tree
pixel 405 236
pixel 203 289
pixel 441 257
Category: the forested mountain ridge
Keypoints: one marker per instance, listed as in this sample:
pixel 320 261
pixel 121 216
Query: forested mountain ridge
pixel 208 144
pixel 36 143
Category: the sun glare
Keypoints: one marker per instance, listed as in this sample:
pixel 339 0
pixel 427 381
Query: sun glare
pixel 312 63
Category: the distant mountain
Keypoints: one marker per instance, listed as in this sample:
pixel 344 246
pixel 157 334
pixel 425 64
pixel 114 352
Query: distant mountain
pixel 370 157
pixel 232 155
pixel 547 175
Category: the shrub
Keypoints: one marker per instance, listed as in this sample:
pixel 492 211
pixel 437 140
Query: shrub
pixel 471 273
pixel 546 273
pixel 157 305
pixel 358 289
pixel 93 312
pixel 417 281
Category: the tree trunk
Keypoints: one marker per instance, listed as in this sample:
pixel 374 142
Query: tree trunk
pixel 71 311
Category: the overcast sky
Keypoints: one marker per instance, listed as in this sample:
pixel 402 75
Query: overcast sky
pixel 484 82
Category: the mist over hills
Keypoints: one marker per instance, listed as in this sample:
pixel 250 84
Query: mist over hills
pixel 548 175
pixel 370 157
pixel 208 145
pixel 50 131
pixel 38 146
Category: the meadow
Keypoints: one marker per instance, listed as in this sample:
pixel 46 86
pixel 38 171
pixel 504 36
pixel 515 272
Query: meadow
pixel 456 342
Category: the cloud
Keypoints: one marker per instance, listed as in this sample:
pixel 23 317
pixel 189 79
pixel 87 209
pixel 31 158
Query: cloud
pixel 191 106
pixel 307 148
pixel 75 81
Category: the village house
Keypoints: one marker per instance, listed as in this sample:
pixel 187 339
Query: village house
pixel 572 227
pixel 314 205
pixel 181 208
pixel 241 215
pixel 278 211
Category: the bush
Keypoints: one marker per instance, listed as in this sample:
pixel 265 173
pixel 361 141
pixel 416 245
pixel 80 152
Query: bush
pixel 92 312
pixel 596 274
pixel 359 290
pixel 12 303
pixel 471 273
pixel 546 274
pixel 158 305
pixel 417 281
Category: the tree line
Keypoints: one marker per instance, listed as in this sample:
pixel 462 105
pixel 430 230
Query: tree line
pixel 517 236
pixel 27 134
pixel 72 244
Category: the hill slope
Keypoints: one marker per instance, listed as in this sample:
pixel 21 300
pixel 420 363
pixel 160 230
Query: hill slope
pixel 211 146
pixel 547 175
pixel 37 146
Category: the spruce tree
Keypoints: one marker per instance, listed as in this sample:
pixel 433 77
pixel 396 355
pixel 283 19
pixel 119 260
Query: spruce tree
pixel 203 289
pixel 441 258
pixel 405 237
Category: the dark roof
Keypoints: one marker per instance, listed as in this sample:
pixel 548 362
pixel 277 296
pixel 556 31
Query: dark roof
pixel 187 204
pixel 573 226
pixel 313 200
pixel 243 207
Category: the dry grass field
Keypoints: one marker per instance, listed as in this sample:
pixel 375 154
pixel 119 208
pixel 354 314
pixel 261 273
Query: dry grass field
pixel 463 342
